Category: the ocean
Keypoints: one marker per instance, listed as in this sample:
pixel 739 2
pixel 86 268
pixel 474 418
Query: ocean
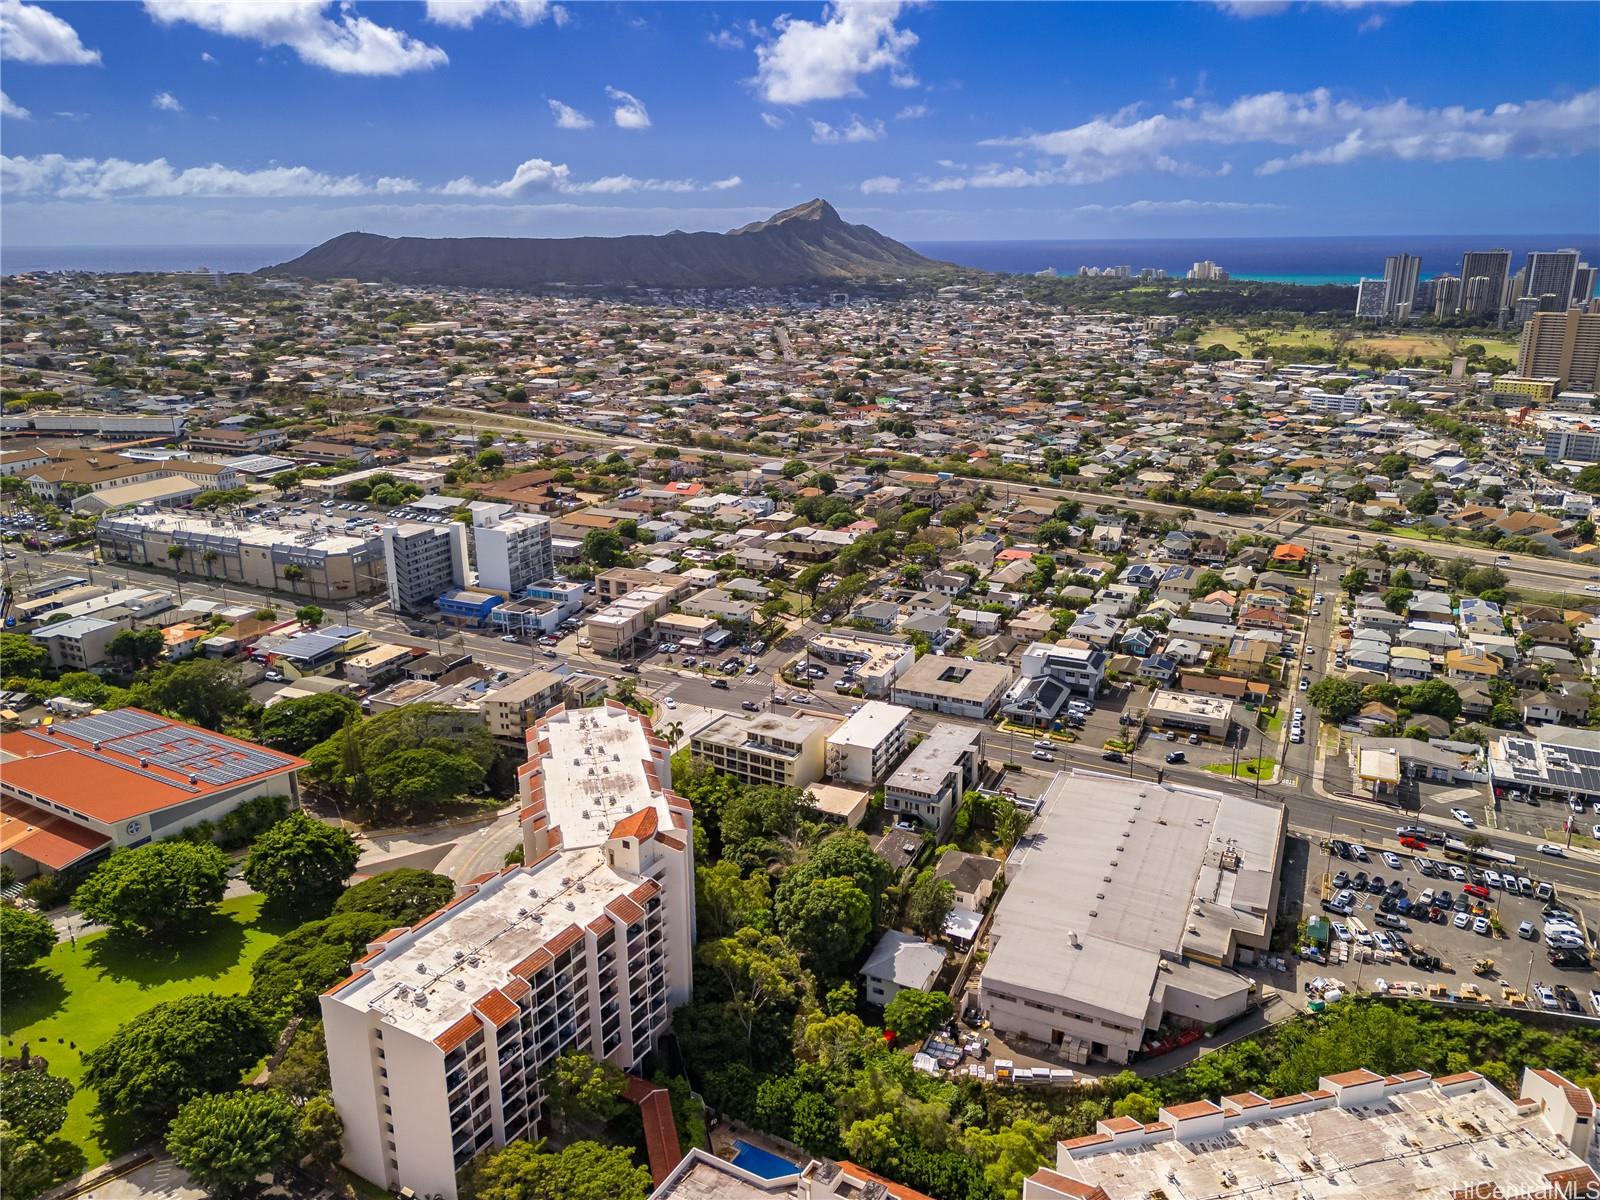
pixel 1302 260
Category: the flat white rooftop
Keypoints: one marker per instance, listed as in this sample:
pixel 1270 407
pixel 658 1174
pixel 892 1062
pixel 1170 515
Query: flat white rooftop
pixel 429 979
pixel 597 765
pixel 283 537
pixel 871 725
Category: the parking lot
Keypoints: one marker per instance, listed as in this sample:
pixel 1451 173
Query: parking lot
pixel 1406 914
pixel 1546 818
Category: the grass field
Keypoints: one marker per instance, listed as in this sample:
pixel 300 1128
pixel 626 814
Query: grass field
pixel 1249 768
pixel 1400 345
pixel 84 992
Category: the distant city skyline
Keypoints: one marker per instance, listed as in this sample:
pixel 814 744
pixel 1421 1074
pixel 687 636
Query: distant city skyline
pixel 204 121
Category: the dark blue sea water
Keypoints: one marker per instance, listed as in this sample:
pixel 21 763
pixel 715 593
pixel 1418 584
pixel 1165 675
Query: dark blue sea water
pixel 1284 259
pixel 243 257
pixel 1305 260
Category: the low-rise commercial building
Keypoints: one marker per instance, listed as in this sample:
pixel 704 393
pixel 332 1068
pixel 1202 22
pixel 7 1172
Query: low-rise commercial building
pixel 878 660
pixel 510 710
pixel 768 748
pixel 377 665
pixel 958 687
pixel 1125 907
pixel 78 643
pixel 623 627
pixel 869 744
pixel 1189 712
pixel 1052 674
pixel 942 767
pixel 317 566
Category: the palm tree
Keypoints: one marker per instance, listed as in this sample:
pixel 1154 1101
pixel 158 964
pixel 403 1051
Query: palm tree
pixel 671 732
pixel 209 558
pixel 175 553
pixel 294 573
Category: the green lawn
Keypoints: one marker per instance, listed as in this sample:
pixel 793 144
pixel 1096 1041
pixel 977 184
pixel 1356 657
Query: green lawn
pixel 83 993
pixel 1249 768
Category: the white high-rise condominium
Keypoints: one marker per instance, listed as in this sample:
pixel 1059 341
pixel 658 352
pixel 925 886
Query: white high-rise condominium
pixel 1446 295
pixel 1400 273
pixel 1583 282
pixel 1372 300
pixel 437 1039
pixel 514 549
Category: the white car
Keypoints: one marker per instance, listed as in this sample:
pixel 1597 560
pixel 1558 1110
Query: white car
pixel 1547 997
pixel 510 637
pixel 671 703
pixel 1426 899
pixel 1481 926
pixel 1462 920
pixel 1552 850
pixel 1491 879
pixel 1456 873
pixel 1044 744
pixel 1393 860
pixel 1464 817
pixel 1341 931
pixel 1363 937
pixel 1591 587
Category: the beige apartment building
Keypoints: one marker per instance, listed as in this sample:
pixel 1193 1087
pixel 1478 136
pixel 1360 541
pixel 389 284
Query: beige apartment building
pixel 625 624
pixel 768 748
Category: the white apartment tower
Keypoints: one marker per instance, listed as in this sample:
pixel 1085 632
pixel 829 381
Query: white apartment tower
pixel 1549 277
pixel 513 549
pixel 437 1039
pixel 423 561
pixel 1372 300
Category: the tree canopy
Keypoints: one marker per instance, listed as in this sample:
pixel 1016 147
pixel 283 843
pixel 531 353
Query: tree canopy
pixel 173 1052
pixel 291 975
pixel 402 896
pixel 225 1141
pixel 25 938
pixel 300 864
pixel 200 691
pixel 297 725
pixel 153 887
pixel 581 1171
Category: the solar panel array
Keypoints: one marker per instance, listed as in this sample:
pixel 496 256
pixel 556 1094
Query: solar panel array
pixel 186 750
pixel 1574 768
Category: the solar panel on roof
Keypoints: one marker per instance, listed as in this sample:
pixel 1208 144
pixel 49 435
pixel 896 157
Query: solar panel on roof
pixel 119 723
pixel 182 749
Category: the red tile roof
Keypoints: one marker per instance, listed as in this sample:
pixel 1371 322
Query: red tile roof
pixel 660 1130
pixel 457 1033
pixel 1580 1099
pixel 641 825
pixel 898 1191
pixel 1063 1186
pixel 45 837
pixel 495 1007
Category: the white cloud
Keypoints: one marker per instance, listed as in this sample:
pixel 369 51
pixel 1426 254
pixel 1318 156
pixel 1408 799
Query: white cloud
pixel 1248 9
pixel 463 14
pixel 166 102
pixel 856 130
pixel 1373 23
pixel 65 178
pixel 808 60
pixel 911 112
pixel 568 117
pixel 880 185
pixel 534 175
pixel 30 34
pixel 540 175
pixel 1162 208
pixel 1321 129
pixel 725 39
pixel 10 108
pixel 205 57
pixel 347 42
pixel 772 120
pixel 630 112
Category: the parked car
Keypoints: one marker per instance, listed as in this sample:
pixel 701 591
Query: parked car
pixel 1177 756
pixel 1527 931
pixel 1464 817
pixel 1547 996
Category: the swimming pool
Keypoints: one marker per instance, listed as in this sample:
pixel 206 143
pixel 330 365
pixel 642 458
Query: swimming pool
pixel 761 1162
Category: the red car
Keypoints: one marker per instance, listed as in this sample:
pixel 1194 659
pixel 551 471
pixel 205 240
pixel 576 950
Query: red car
pixel 1411 843
pixel 1476 889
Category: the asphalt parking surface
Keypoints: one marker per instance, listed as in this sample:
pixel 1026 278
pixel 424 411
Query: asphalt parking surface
pixel 1519 962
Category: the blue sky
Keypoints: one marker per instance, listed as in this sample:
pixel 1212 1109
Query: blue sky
pixel 209 121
